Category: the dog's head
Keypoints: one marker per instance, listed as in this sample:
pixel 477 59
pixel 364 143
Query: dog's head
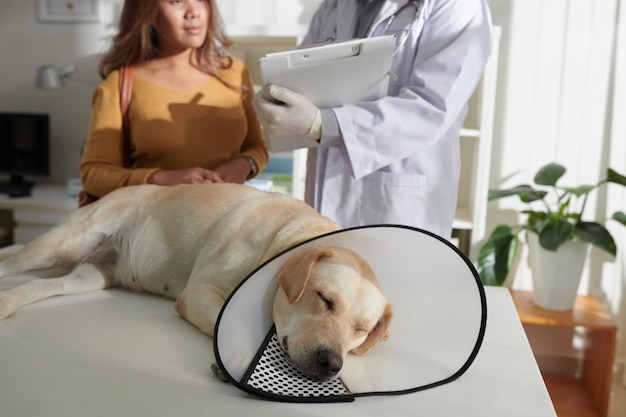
pixel 328 303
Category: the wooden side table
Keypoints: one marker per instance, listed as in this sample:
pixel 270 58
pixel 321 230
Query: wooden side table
pixel 589 394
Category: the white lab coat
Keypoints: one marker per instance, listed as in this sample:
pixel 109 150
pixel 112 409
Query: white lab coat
pixel 399 161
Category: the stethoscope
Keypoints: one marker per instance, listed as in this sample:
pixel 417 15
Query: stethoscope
pixel 417 7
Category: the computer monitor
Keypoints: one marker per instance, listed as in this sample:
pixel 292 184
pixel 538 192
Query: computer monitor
pixel 24 150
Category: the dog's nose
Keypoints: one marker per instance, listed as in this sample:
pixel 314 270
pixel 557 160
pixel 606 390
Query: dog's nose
pixel 329 363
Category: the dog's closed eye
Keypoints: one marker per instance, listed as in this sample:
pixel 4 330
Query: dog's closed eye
pixel 327 302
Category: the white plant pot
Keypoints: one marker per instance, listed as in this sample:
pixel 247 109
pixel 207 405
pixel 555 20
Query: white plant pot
pixel 556 275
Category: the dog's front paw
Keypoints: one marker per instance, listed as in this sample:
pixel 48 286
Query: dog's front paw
pixel 218 372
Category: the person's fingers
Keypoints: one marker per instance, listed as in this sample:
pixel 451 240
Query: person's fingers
pixel 283 94
pixel 211 176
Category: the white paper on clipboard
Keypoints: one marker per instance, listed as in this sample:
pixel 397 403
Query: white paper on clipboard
pixel 330 75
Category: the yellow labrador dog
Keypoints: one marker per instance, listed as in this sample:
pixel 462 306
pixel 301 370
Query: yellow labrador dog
pixel 195 244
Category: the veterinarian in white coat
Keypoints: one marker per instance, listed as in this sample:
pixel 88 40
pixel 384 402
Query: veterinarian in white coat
pixel 396 159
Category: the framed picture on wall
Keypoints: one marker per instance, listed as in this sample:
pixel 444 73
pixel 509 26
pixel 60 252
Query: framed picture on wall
pixel 68 11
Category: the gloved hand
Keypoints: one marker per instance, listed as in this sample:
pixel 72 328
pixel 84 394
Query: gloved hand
pixel 296 115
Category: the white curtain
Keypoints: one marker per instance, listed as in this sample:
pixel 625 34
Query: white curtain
pixel 562 98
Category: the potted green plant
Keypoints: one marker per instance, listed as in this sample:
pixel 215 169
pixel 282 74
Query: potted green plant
pixel 553 217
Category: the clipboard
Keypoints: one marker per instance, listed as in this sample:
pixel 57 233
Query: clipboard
pixel 330 75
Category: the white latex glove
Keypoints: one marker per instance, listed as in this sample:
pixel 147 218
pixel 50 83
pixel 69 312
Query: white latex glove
pixel 294 115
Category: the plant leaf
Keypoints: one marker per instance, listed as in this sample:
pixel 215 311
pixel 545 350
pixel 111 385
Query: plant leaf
pixel 620 217
pixel 613 176
pixel 573 216
pixel 496 256
pixel 536 220
pixel 549 174
pixel 525 192
pixel 564 206
pixel 579 191
pixel 495 194
pixel 555 233
pixel 597 235
pixel 531 196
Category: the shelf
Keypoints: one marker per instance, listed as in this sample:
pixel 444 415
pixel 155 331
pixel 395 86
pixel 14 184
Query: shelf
pixel 250 47
pixel 476 139
pixel 462 219
pixel 470 133
pixel 45 198
pixel 265 31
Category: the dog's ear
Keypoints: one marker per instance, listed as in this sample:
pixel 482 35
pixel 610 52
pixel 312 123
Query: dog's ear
pixel 295 273
pixel 378 334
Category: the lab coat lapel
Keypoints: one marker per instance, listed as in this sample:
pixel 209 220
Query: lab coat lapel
pixel 389 8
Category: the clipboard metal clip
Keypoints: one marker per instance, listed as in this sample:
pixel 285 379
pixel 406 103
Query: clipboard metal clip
pixel 317 55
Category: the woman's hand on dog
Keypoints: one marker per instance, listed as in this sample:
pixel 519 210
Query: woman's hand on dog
pixel 196 175
pixel 236 170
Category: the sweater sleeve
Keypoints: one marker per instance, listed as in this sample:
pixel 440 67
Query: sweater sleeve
pixel 102 167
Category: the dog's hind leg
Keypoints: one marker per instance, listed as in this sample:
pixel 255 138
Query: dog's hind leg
pixel 63 246
pixel 85 277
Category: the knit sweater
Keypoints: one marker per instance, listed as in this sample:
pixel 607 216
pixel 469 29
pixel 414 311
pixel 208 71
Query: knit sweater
pixel 170 130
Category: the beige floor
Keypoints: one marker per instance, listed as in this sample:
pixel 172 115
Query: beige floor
pixel 617 406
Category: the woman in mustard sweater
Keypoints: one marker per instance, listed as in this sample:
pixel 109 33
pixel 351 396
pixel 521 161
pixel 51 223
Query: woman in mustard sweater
pixel 191 119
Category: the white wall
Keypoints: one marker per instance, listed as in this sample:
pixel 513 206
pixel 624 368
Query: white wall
pixel 26 43
pixel 267 17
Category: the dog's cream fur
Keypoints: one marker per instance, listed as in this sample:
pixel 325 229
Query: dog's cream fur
pixel 194 244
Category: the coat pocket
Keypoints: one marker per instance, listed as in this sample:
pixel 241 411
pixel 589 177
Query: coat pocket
pixel 393 198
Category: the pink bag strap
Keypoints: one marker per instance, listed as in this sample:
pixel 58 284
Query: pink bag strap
pixel 126 92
